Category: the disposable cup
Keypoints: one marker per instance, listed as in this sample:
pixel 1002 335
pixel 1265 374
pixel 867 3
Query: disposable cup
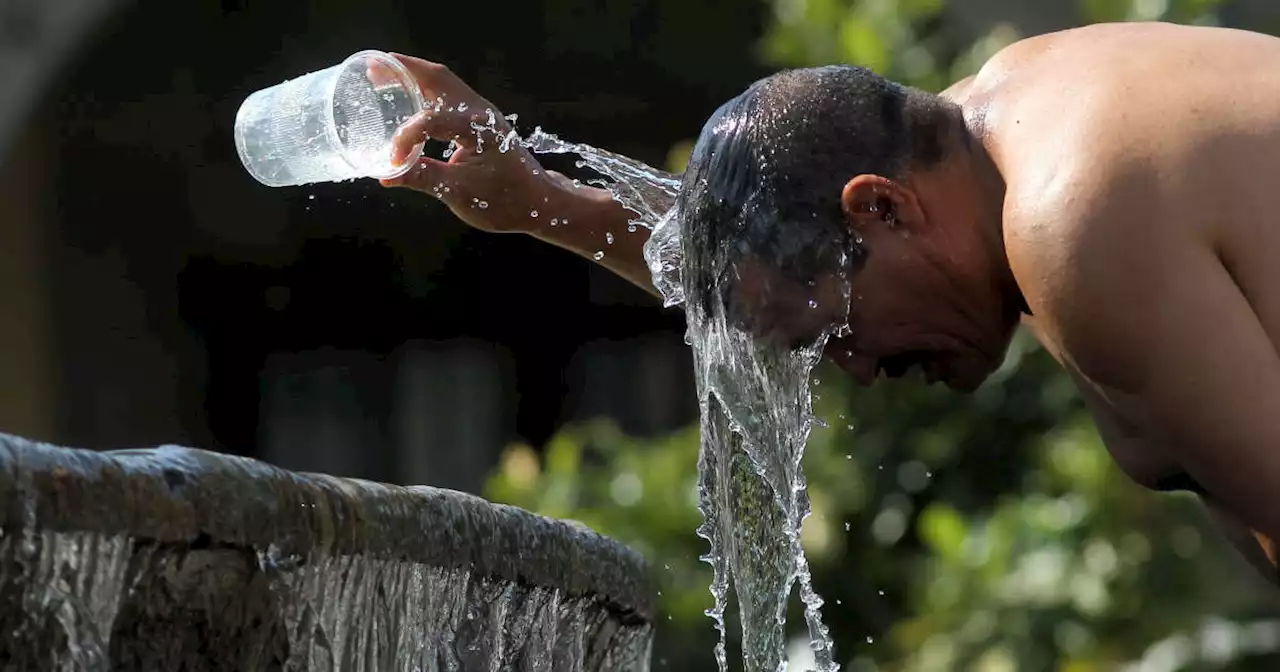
pixel 332 125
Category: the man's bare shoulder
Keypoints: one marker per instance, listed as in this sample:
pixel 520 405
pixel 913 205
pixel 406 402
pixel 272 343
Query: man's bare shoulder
pixel 958 91
pixel 1089 245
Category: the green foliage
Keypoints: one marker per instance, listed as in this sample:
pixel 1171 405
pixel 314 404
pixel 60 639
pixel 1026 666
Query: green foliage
pixel 984 532
pixel 641 493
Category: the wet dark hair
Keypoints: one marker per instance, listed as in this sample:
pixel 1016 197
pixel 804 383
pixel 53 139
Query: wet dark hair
pixel 767 172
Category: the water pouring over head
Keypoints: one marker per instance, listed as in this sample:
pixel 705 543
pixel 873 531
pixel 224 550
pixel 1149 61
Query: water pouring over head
pixel 827 198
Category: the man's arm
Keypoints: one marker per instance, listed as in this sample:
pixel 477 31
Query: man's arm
pixel 591 224
pixel 508 191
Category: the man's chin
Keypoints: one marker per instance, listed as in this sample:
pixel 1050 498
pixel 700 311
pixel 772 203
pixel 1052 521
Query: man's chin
pixel 967 376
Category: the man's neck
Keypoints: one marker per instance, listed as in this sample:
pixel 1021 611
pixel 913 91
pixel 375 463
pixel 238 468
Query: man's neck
pixel 989 185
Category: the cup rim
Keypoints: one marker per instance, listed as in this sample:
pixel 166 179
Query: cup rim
pixel 411 85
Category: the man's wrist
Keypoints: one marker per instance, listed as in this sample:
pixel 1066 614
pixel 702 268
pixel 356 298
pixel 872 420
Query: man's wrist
pixel 559 202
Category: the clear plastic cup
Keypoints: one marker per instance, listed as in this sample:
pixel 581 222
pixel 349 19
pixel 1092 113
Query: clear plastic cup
pixel 328 126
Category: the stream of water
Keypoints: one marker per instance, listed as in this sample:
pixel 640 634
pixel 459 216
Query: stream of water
pixel 87 601
pixel 86 585
pixel 756 414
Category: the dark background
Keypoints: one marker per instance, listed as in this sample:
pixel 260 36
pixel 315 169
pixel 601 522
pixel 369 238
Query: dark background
pixel 342 327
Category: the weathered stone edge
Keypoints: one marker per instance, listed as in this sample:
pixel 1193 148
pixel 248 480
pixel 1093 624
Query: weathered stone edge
pixel 184 495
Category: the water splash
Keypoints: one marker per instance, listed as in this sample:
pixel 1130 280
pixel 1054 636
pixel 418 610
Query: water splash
pixel 756 414
pixel 80 601
pixel 646 191
pixel 756 420
pixel 78 585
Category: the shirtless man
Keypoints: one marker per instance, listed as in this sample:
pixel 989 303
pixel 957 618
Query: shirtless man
pixel 1111 187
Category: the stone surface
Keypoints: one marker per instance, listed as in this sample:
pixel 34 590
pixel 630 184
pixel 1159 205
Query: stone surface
pixel 173 558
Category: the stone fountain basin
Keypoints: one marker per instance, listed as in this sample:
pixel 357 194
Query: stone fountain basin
pixel 181 559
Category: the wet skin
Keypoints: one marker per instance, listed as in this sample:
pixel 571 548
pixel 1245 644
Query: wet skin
pixel 1122 209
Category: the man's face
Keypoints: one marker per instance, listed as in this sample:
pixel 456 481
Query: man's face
pixel 904 315
pixel 787 312
pixel 901 317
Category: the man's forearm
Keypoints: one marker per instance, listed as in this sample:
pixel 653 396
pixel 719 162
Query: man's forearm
pixel 587 221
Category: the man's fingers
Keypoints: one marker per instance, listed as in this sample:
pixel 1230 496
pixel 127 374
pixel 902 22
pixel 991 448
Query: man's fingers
pixel 441 126
pixel 407 138
pixel 380 74
pixel 468 127
pixel 429 176
pixel 454 111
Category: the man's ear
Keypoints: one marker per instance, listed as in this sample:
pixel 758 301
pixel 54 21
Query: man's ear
pixel 871 201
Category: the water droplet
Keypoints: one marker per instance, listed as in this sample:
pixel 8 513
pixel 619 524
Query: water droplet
pixel 462 107
pixel 848 456
pixel 484 205
pixel 598 255
pixel 849 427
pixel 311 197
pixel 870 640
pixel 813 304
pixel 817 381
pixel 666 567
pixel 848 526
pixel 608 238
pixel 533 213
pixel 555 222
pixel 881 593
pixel 564 221
pixel 628 183
pixel 839 601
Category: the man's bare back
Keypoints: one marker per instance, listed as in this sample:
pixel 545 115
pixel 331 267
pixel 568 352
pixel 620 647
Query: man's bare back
pixel 1143 226
pixel 1125 171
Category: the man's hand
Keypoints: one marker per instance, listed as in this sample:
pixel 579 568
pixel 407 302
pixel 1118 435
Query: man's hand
pixel 490 180
pixel 507 191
